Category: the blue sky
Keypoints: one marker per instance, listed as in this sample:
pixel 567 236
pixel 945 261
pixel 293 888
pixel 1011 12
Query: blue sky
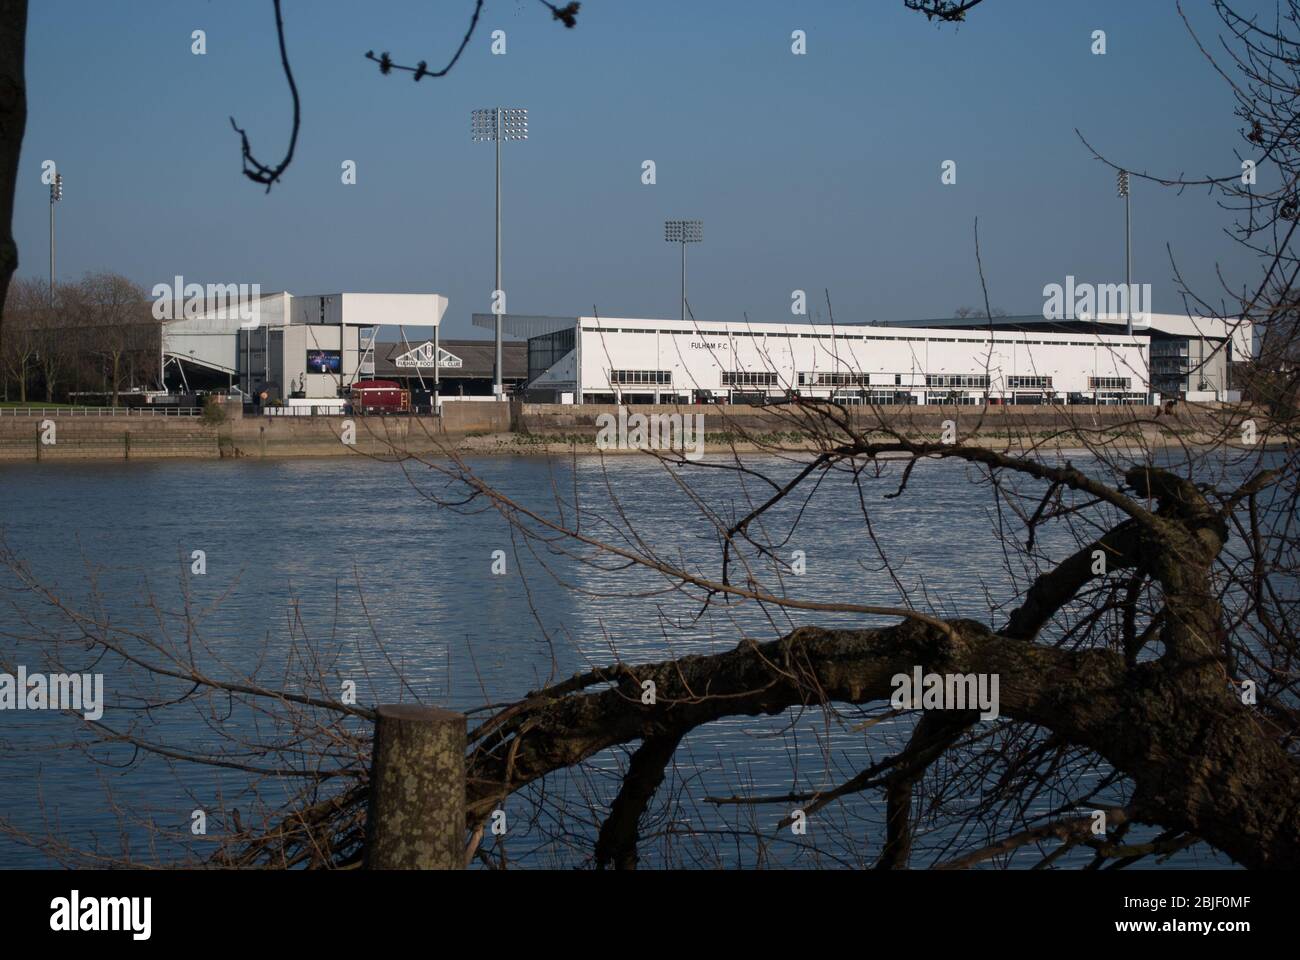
pixel 810 172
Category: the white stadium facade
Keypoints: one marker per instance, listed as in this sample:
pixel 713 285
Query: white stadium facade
pixel 310 348
pixel 618 360
pixel 307 347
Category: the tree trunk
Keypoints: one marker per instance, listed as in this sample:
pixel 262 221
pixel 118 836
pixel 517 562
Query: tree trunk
pixel 13 121
pixel 416 818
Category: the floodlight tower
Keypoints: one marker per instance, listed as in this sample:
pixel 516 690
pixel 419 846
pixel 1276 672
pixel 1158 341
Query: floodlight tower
pixel 498 124
pixel 56 194
pixel 683 232
pixel 1121 187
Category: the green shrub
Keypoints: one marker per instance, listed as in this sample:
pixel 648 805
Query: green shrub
pixel 213 412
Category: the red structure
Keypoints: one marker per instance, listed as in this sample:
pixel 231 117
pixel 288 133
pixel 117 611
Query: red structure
pixel 380 396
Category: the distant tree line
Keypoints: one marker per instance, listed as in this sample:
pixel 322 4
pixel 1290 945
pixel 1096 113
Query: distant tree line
pixel 93 335
pixel 975 313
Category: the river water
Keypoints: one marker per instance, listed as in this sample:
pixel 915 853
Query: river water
pixel 348 554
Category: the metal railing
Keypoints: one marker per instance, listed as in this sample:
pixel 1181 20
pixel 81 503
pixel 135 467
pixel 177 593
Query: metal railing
pixel 316 410
pixel 159 411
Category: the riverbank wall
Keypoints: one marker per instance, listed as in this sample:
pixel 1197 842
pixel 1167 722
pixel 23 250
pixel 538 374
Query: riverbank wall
pixel 522 428
pixel 724 427
pixel 59 435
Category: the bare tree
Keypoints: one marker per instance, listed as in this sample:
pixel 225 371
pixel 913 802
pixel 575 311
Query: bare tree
pixel 57 351
pixel 30 309
pixel 115 311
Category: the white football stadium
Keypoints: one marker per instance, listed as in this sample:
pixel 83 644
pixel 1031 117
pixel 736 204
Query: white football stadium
pixel 613 360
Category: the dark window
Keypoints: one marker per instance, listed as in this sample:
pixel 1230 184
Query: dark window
pixel 748 378
pixel 956 380
pixel 1109 383
pixel 629 377
pixel 834 379
pixel 547 350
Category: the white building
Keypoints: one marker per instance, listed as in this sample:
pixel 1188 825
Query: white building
pixel 606 360
pixel 308 347
pixel 1191 357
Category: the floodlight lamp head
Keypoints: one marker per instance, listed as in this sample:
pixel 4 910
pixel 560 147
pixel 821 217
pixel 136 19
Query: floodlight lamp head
pixel 500 123
pixel 1121 183
pixel 683 231
pixel 514 123
pixel 56 188
pixel 484 124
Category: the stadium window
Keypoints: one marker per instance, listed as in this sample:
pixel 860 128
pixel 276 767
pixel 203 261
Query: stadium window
pixel 638 377
pixel 748 378
pixel 1109 383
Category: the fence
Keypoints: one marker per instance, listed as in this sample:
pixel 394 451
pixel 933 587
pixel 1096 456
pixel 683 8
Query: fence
pixel 317 410
pixel 335 410
pixel 159 411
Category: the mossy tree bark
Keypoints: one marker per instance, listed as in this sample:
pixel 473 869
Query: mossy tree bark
pixel 416 818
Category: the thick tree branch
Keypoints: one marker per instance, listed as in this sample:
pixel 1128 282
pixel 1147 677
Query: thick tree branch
pixel 934 733
pixel 618 837
pixel 1218 779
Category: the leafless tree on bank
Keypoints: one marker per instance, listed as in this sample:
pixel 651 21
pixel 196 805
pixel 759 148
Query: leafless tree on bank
pixel 95 335
pixel 29 298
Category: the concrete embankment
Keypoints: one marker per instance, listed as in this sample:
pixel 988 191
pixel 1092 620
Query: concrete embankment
pixel 372 436
pixel 75 437
pixel 62 436
pixel 523 428
pixel 550 427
